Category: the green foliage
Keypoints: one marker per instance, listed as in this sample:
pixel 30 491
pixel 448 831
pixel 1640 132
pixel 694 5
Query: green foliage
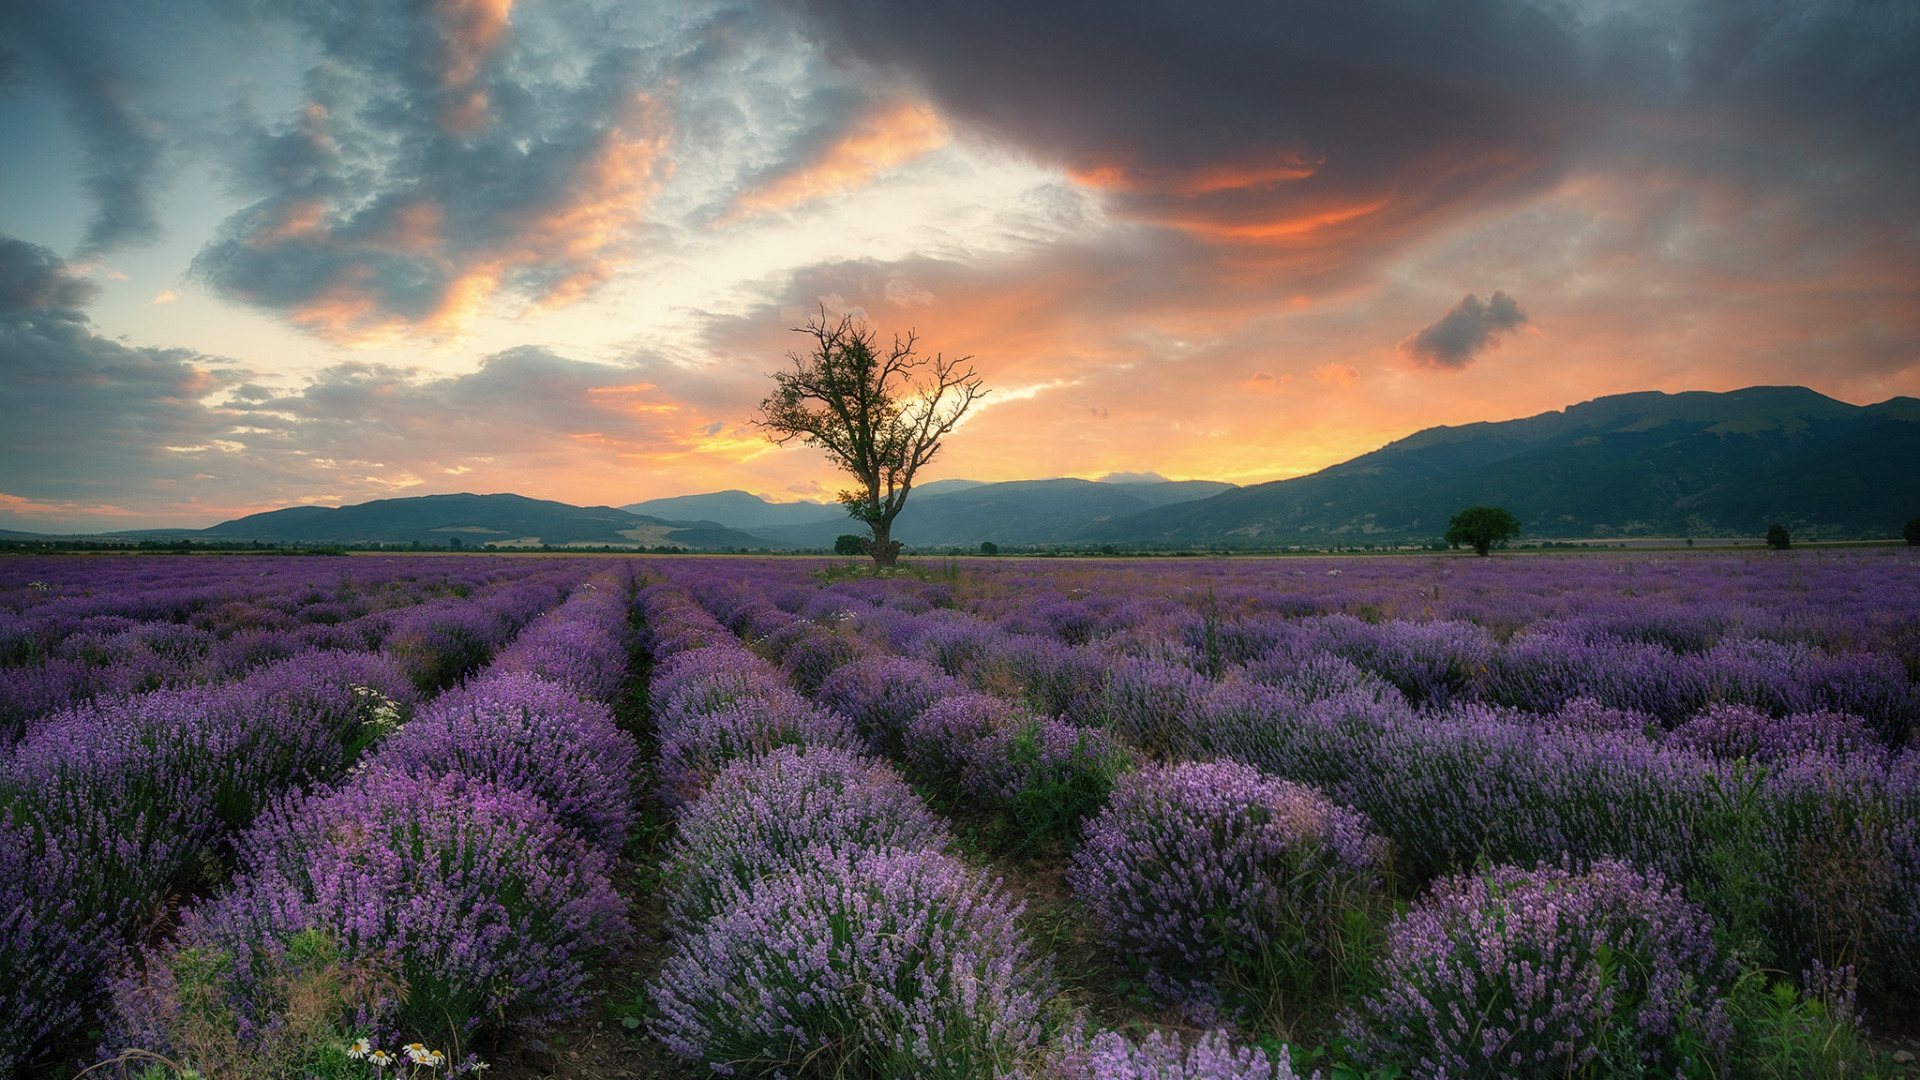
pixel 1054 796
pixel 1778 538
pixel 988 547
pixel 849 544
pixel 1911 532
pixel 1482 528
pixel 308 992
pixel 1782 1033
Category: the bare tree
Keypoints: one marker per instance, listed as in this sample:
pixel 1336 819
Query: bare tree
pixel 878 416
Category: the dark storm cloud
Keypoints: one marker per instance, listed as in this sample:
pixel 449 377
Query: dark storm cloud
pixel 1363 122
pixel 1247 119
pixel 121 146
pixel 33 278
pixel 1464 332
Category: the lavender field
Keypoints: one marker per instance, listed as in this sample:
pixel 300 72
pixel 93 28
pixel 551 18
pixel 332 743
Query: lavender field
pixel 1545 816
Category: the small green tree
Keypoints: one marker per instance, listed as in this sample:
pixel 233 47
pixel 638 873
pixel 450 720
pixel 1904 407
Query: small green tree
pixel 988 547
pixel 1912 532
pixel 849 544
pixel 1482 528
pixel 879 416
pixel 1778 538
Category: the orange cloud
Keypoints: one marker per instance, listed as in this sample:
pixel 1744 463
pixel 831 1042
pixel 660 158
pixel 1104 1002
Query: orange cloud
pixel 1187 183
pixel 884 139
pixel 1337 374
pixel 580 240
pixel 473 29
pixel 41 508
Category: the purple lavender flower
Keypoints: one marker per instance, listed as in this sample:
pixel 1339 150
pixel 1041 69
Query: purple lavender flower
pixel 581 644
pixel 694 749
pixel 494 913
pixel 938 744
pixel 1742 731
pixel 523 732
pixel 1110 1055
pixel 893 963
pixel 1193 869
pixel 1547 973
pixel 885 695
pixel 764 814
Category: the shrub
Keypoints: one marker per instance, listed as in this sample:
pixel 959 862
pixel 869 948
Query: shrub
pixel 770 813
pixel 1224 885
pixel 517 730
pixel 1741 731
pixel 883 695
pixel 181 1006
pixel 693 751
pixel 938 743
pixel 1548 973
pixel 490 912
pixel 1041 777
pixel 872 964
pixel 1112 1056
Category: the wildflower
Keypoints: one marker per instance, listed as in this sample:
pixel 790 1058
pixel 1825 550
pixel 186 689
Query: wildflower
pixel 359 1048
pixel 380 1058
pixel 417 1053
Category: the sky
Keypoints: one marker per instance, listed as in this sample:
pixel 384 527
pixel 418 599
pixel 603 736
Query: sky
pixel 266 253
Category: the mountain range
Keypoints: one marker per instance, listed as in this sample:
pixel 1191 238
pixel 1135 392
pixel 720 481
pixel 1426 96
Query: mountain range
pixel 1646 464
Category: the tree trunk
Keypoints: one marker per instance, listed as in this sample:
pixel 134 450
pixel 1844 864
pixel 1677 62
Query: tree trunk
pixel 883 547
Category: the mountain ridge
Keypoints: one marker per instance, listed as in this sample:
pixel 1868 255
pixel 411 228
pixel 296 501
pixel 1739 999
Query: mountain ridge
pixel 1644 464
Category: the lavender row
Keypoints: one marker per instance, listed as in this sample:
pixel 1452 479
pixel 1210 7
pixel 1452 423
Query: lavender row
pixel 108 811
pixel 948 738
pixel 1763 841
pixel 52 656
pixel 822 927
pixel 467 862
pixel 113 808
pixel 1233 889
pixel 1038 775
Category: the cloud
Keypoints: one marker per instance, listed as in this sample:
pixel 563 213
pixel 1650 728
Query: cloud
pixel 884 137
pixel 1464 332
pixel 88 418
pixel 121 146
pixel 450 159
pixel 33 278
pixel 1266 124
pixel 1337 374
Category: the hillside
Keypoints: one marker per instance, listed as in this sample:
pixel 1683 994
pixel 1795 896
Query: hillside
pixel 475 520
pixel 1644 464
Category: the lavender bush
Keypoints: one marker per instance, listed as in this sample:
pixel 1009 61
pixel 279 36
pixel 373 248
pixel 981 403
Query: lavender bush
pixel 491 912
pixel 884 695
pixel 1742 731
pixel 868 964
pixel 1548 973
pixel 770 813
pixel 1110 1055
pixel 1227 886
pixel 523 732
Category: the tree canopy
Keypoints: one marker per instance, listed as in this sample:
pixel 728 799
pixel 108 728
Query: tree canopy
pixel 880 416
pixel 1482 528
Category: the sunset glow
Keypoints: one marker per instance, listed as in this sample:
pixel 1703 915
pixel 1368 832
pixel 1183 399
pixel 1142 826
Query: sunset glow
pixel 331 252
